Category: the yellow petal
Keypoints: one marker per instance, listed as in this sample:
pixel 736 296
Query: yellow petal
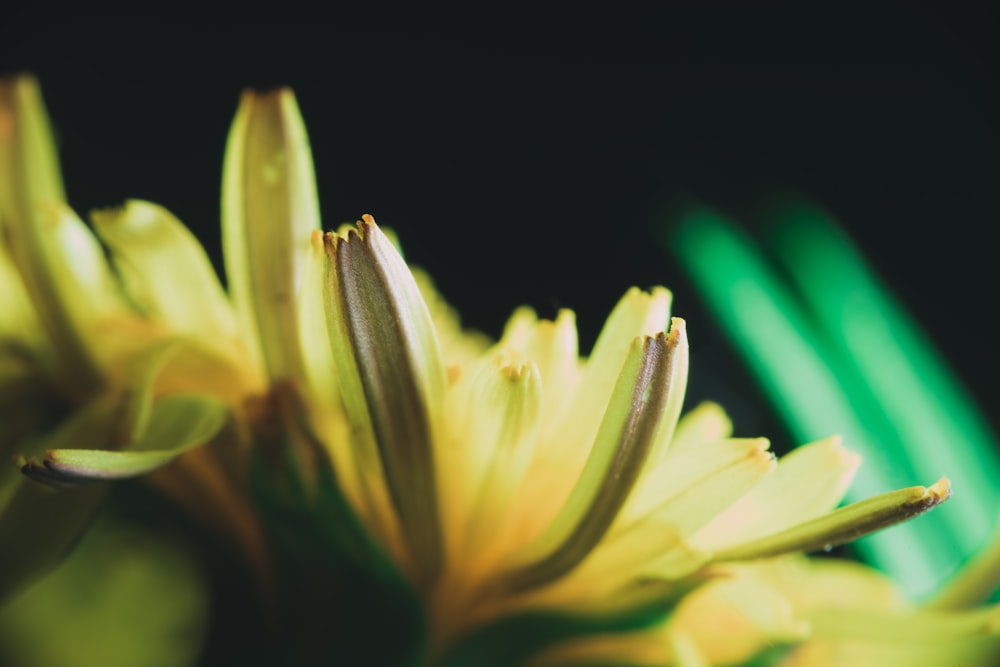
pixel 496 409
pixel 638 313
pixel 699 503
pixel 816 476
pixel 687 469
pixel 552 347
pixel 640 402
pixel 864 638
pixel 730 620
pixel 708 422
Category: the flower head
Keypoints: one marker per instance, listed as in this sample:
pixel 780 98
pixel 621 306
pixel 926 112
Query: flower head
pixel 499 485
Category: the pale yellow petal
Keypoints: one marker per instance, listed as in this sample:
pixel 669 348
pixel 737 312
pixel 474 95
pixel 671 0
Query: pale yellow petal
pixel 706 423
pixel 637 314
pixel 495 410
pixel 699 503
pixel 808 482
pixel 687 468
pixel 827 583
pixel 866 638
pixel 730 620
pixel 640 402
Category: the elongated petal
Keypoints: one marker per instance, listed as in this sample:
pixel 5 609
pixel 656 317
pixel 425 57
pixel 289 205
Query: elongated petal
pixel 697 504
pixel 687 469
pixel 638 313
pixel 39 524
pixel 166 271
pixel 392 378
pixel 87 446
pixel 846 524
pixel 62 266
pixel 269 211
pixel 177 424
pixel 815 475
pixel 641 400
pixel 29 166
pixel 490 443
pixel 552 347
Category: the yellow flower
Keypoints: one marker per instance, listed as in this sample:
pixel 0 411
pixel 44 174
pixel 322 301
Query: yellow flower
pixel 527 495
pixel 514 477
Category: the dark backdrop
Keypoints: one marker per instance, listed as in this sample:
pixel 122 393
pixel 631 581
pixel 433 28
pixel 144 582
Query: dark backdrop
pixel 528 166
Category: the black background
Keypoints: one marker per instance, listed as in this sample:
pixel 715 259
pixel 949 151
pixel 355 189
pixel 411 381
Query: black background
pixel 531 166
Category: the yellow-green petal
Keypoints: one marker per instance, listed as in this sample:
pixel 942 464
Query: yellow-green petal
pixel 269 211
pixel 177 424
pixel 62 266
pixel 166 272
pixel 640 401
pixel 845 524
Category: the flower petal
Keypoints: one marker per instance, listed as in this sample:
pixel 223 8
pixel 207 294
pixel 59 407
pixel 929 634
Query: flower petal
pixel 845 524
pixel 62 265
pixel 491 441
pixel 707 422
pixel 638 313
pixel 641 402
pixel 732 619
pixel 392 380
pixel 815 475
pixel 269 211
pixel 688 468
pixel 148 246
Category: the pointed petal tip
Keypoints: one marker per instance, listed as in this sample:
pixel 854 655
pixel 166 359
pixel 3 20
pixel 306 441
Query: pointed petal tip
pixel 677 332
pixel 363 230
pixel 939 491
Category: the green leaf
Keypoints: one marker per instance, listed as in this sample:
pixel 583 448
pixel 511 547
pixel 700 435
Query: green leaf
pixel 123 599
